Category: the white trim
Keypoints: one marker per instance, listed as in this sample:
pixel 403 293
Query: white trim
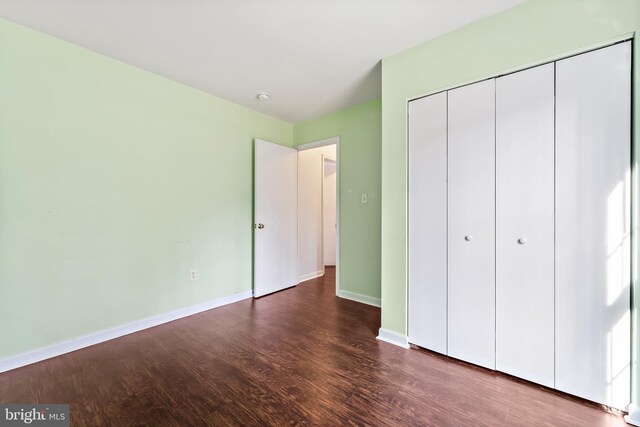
pixel 324 160
pixel 365 299
pixel 321 143
pixel 60 348
pixel 338 210
pixel 634 415
pixel 310 276
pixel 393 338
pixel 535 63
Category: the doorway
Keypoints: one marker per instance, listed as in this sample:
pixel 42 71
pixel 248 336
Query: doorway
pixel 329 211
pixel 318 209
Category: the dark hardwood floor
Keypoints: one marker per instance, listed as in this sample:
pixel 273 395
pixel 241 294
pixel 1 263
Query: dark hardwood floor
pixel 298 357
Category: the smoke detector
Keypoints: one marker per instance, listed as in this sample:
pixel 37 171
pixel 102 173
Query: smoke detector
pixel 263 96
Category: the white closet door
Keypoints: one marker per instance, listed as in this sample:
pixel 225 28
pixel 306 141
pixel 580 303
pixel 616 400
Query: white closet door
pixel 471 228
pixel 525 224
pixel 593 225
pixel 428 222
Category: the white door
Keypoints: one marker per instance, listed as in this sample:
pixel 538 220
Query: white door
pixel 471 264
pixel 593 100
pixel 275 218
pixel 329 221
pixel 428 222
pixel 525 224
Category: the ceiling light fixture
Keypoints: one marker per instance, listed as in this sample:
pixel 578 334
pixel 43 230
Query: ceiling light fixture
pixel 263 96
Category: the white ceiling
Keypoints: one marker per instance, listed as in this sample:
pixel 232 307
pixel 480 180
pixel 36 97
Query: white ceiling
pixel 312 56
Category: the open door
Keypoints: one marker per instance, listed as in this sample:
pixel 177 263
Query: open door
pixel 275 232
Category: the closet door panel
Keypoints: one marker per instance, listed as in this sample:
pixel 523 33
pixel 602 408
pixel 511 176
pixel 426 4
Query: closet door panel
pixel 525 224
pixel 593 225
pixel 471 226
pixel 428 222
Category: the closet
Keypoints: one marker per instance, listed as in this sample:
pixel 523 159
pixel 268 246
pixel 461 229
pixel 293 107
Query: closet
pixel 471 223
pixel 519 224
pixel 525 224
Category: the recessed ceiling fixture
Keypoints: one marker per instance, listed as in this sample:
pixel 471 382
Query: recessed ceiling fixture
pixel 263 96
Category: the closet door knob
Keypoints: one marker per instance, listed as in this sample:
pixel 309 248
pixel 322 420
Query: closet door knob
pixel 522 240
pixel 468 237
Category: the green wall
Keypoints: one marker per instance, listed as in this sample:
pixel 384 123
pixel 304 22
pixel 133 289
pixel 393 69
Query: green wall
pixel 533 32
pixel 359 172
pixel 114 184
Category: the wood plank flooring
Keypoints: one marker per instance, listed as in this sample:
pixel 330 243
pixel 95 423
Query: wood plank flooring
pixel 298 357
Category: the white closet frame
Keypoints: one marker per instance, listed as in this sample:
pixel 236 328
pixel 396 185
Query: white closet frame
pixel 569 359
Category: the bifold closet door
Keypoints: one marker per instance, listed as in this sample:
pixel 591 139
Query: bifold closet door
pixel 471 227
pixel 428 222
pixel 593 225
pixel 525 224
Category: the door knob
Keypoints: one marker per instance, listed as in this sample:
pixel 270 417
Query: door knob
pixel 522 240
pixel 260 226
pixel 468 237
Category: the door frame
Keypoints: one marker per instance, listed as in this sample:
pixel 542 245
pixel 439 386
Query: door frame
pixel 323 143
pixel 324 160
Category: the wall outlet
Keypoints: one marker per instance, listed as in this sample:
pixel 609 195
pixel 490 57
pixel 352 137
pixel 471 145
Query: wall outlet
pixel 194 275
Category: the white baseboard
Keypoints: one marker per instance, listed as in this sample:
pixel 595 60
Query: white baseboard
pixel 48 352
pixel 393 338
pixel 365 299
pixel 310 276
pixel 634 415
